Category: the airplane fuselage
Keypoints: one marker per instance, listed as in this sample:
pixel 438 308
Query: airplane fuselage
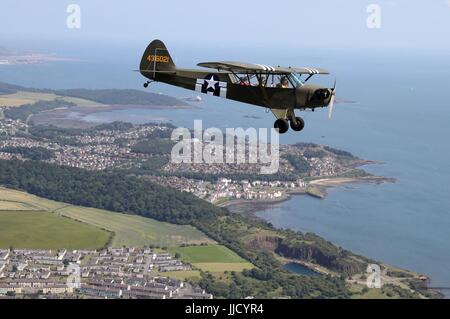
pixel 301 97
pixel 243 82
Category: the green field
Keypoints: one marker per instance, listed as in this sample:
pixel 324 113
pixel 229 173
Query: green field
pixel 213 258
pixel 13 205
pixel 44 230
pixel 208 254
pixel 24 97
pixel 373 293
pixel 137 231
pixel 28 221
pixel 129 230
pixel 32 201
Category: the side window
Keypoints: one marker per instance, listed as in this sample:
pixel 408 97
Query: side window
pixel 233 78
pixel 295 79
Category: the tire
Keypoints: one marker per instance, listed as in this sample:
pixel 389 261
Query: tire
pixel 300 124
pixel 281 125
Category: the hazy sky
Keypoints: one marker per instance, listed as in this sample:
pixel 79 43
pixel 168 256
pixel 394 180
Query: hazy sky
pixel 316 23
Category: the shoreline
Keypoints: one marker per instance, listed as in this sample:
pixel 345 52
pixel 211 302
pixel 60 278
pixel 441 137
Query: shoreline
pixel 249 208
pixel 75 117
pixel 317 190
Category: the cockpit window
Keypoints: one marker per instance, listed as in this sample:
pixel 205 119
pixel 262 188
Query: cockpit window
pixel 267 80
pixel 295 79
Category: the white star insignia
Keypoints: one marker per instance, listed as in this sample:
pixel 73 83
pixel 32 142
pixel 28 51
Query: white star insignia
pixel 211 83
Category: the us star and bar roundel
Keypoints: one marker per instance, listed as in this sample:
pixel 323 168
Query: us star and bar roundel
pixel 212 85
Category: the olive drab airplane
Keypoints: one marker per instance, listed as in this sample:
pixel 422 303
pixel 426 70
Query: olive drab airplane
pixel 280 89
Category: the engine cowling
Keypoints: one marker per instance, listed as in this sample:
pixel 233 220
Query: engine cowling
pixel 310 96
pixel 321 94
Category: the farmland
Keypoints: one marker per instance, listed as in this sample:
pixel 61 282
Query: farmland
pixel 136 231
pixel 128 230
pixel 25 97
pixel 44 230
pixel 212 258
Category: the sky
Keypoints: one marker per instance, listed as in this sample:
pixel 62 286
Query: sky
pixel 338 24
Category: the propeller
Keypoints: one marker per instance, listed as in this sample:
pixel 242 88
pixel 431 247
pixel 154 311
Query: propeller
pixel 331 105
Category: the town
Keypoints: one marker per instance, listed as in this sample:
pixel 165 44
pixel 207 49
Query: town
pixel 115 148
pixel 128 273
pixel 228 189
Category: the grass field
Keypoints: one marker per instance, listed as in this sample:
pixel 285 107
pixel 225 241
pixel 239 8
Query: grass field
pixel 12 205
pixel 38 203
pixel 24 97
pixel 44 230
pixel 80 101
pixel 137 231
pixel 129 230
pixel 213 258
pixel 372 293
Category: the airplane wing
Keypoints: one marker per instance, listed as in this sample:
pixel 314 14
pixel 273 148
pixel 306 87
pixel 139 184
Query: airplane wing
pixel 238 67
pixel 305 70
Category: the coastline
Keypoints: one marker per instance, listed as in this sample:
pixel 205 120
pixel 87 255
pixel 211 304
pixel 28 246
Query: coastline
pixel 317 189
pixel 74 117
pixel 249 208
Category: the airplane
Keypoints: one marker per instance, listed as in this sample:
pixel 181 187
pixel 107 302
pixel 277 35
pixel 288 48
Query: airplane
pixel 279 89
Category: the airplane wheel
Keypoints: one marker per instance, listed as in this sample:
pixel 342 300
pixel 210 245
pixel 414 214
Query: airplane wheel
pixel 300 124
pixel 281 126
pixel 146 84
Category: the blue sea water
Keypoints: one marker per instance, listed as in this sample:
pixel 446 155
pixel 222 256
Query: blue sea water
pixel 401 117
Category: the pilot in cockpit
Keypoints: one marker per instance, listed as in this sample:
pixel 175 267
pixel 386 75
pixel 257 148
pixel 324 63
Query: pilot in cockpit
pixel 284 83
pixel 244 81
pixel 263 80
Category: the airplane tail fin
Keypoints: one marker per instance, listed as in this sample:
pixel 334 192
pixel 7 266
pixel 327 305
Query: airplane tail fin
pixel 156 58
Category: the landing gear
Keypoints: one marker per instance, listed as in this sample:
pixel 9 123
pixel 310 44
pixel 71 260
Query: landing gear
pixel 281 125
pixel 286 118
pixel 146 84
pixel 298 124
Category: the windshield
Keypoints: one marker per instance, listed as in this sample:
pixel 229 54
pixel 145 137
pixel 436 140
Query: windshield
pixel 295 79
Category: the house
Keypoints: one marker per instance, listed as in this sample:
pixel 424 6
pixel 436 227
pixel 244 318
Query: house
pixel 99 291
pixel 4 254
pixel 57 289
pixel 2 265
pixel 5 288
pixel 62 254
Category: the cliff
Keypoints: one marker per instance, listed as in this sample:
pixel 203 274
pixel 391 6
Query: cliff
pixel 313 249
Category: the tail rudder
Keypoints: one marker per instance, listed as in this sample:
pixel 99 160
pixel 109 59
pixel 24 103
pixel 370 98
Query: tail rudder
pixel 156 58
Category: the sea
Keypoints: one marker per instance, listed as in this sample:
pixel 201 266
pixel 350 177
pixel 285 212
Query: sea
pixel 395 110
